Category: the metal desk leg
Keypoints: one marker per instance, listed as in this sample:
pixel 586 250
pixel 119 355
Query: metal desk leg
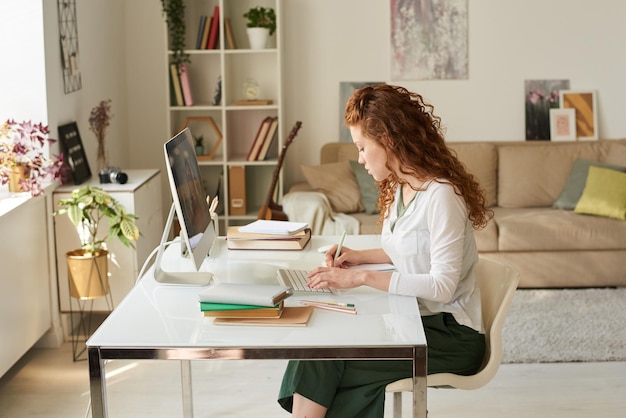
pixel 419 386
pixel 185 377
pixel 97 384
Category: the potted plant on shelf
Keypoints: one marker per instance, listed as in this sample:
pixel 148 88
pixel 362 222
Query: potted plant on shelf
pixel 174 11
pixel 261 25
pixel 87 207
pixel 23 161
pixel 199 144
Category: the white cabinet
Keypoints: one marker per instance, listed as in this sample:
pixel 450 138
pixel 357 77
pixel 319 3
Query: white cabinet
pixel 141 195
pixel 237 123
pixel 24 277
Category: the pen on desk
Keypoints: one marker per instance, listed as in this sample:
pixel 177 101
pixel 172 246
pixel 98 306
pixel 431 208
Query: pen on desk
pixel 340 246
pixel 330 307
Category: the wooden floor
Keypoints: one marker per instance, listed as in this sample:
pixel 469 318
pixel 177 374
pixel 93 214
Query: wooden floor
pixel 47 383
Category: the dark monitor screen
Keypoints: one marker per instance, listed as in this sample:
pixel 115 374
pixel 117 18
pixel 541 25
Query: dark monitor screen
pixel 189 195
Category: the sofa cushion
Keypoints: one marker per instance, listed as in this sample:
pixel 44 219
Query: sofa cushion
pixel 533 174
pixel 367 187
pixel 487 238
pixel 576 183
pixel 604 194
pixel 547 229
pixel 481 160
pixel 337 182
pixel 616 153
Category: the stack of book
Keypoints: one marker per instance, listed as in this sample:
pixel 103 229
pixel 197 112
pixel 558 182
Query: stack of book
pixel 251 304
pixel 265 140
pixel 269 235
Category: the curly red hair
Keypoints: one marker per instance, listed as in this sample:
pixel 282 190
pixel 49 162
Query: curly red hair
pixel 406 127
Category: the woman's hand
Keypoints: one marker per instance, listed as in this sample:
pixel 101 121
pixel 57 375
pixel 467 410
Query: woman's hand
pixel 346 259
pixel 339 278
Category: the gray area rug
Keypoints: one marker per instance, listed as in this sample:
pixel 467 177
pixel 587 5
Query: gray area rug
pixel 565 325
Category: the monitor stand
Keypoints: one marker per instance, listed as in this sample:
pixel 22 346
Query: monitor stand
pixel 196 278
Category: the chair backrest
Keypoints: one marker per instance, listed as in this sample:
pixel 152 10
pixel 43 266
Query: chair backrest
pixel 497 283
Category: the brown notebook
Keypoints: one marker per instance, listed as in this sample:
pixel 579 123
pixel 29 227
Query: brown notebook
pixel 293 316
pixel 236 240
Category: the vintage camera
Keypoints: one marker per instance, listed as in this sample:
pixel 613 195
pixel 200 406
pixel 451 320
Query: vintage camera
pixel 113 175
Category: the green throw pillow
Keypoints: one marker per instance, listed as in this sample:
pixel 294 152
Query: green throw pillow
pixel 576 183
pixel 367 186
pixel 604 194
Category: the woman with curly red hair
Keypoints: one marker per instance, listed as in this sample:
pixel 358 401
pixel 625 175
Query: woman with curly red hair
pixel 429 206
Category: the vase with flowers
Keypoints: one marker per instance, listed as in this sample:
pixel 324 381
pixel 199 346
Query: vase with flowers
pixel 99 120
pixel 24 163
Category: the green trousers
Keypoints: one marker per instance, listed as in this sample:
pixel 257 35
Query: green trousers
pixel 356 388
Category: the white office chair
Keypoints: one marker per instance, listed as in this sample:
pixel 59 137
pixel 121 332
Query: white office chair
pixel 497 283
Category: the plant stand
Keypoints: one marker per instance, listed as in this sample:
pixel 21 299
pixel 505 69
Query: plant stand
pixel 93 271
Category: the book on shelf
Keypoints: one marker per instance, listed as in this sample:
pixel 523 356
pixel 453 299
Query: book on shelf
pixel 214 32
pixel 229 34
pixel 201 25
pixel 266 226
pixel 272 133
pixel 292 316
pixel 255 102
pixel 237 190
pixel 236 310
pixel 205 33
pixel 259 138
pixel 237 240
pixel 266 295
pixel 183 72
pixel 178 91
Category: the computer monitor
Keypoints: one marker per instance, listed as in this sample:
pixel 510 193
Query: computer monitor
pixel 197 228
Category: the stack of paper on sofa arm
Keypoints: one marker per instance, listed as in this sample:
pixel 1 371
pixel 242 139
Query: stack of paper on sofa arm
pixel 250 304
pixel 269 235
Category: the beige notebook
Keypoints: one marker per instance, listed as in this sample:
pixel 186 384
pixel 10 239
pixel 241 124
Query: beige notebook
pixel 293 316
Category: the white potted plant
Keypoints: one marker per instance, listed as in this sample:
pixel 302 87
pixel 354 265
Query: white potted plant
pixel 88 266
pixel 261 25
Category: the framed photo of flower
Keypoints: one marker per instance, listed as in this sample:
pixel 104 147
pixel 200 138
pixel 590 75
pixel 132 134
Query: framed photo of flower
pixel 563 124
pixel 585 104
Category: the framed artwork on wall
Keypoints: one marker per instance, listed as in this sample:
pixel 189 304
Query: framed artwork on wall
pixel 585 104
pixel 563 124
pixel 74 153
pixel 346 88
pixel 539 97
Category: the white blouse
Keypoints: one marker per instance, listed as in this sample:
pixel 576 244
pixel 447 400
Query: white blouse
pixel 433 249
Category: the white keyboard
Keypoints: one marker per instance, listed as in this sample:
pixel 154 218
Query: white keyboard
pixel 296 279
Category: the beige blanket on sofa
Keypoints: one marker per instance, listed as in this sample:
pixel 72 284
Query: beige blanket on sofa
pixel 314 208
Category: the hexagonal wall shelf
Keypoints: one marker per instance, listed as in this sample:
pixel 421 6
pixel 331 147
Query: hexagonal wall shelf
pixel 210 121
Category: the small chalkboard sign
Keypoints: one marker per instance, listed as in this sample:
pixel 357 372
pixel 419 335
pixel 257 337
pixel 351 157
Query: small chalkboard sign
pixel 74 152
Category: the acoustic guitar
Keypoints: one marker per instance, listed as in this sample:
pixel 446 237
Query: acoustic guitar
pixel 270 209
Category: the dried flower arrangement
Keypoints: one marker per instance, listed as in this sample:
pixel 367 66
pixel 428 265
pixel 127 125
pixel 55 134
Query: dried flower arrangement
pixel 99 120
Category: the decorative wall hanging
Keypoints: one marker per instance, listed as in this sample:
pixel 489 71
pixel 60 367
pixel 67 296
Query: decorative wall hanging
pixel 540 97
pixel 429 39
pixel 68 32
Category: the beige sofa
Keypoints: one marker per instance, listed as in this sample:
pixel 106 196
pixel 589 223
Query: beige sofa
pixel 549 247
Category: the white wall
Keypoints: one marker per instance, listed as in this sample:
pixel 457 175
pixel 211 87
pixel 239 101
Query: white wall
pixel 329 41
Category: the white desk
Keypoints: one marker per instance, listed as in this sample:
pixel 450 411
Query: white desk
pixel 160 321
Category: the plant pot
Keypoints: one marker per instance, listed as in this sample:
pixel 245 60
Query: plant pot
pixel 199 149
pixel 18 173
pixel 88 274
pixel 258 37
